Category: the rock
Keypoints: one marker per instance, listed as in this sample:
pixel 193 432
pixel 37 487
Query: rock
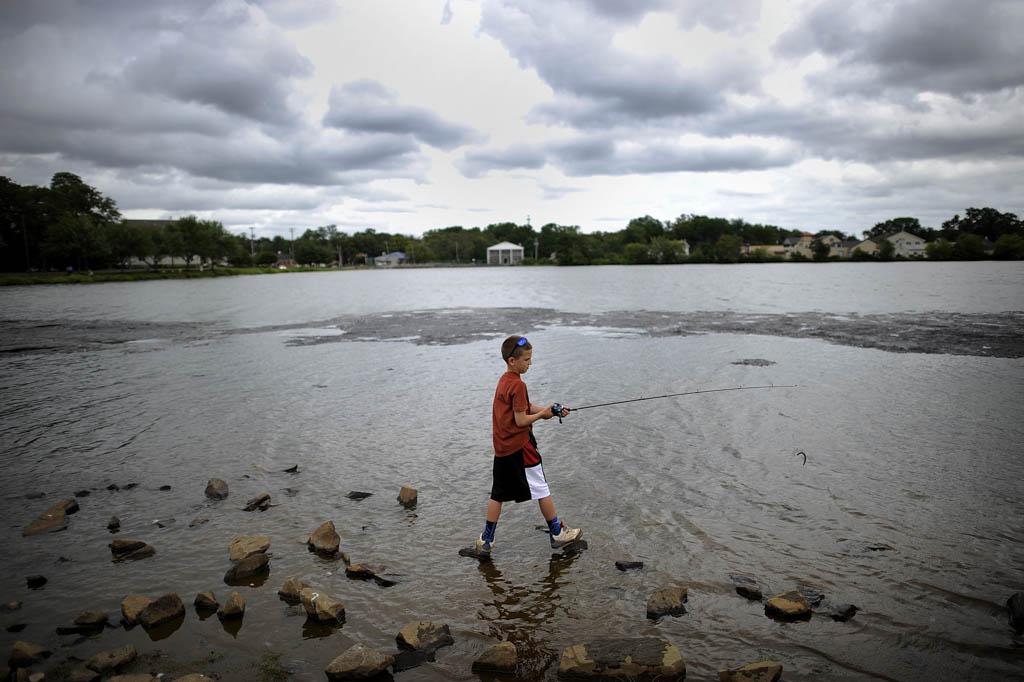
pixel 35 496
pixel 194 677
pixel 641 658
pixel 82 675
pixel 234 607
pixel 144 677
pixel 198 521
pixel 163 610
pixel 216 489
pixel 15 627
pixel 252 565
pixel 667 602
pixel 114 523
pixel 356 495
pixel 754 362
pixel 294 469
pixel 788 606
pixel 11 606
pixel 113 486
pixel 367 572
pixel 500 658
pixel 34 582
pixel 1015 605
pixel 322 607
pixel 359 662
pixel 626 565
pixel 424 636
pixel 247 545
pixel 812 595
pixel 82 493
pixel 408 496
pixel 132 606
pixel 106 661
pixel 129 486
pixel 205 601
pixel 260 502
pixel 87 622
pixel 765 671
pixel 165 488
pixel 842 612
pixel 143 552
pixel 292 588
pixel 53 519
pixel 124 546
pixel 747 587
pixel 324 540
pixel 25 654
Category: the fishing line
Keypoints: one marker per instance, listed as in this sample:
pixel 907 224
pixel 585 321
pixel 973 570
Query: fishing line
pixel 673 395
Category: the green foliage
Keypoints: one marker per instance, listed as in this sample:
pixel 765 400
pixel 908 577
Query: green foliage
pixel 266 258
pixel 969 247
pixel 987 223
pixel 819 250
pixel 940 249
pixel 886 250
pixel 1010 247
pixel 728 248
pixel 893 225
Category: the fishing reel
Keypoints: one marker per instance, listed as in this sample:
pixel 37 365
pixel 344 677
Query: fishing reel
pixel 558 411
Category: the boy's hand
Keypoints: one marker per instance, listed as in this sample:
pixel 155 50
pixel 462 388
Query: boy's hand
pixel 546 413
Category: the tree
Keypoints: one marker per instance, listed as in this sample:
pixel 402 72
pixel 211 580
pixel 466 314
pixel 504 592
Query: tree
pixel 643 229
pixel 886 250
pixel 728 248
pixel 1010 247
pixel 636 253
pixel 202 239
pixel 819 249
pixel 984 222
pixel 266 258
pixel 969 247
pixel 894 225
pixel 78 215
pixel 940 249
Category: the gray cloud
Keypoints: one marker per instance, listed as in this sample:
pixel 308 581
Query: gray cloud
pixel 367 106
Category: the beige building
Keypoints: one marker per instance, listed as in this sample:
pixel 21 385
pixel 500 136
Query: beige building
pixel 905 244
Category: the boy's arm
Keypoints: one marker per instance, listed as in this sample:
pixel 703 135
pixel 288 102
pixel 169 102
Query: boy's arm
pixel 527 418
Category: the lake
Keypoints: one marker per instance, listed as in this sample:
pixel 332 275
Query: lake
pixel 908 408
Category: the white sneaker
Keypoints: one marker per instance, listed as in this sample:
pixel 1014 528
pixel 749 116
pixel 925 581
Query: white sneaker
pixel 566 536
pixel 483 546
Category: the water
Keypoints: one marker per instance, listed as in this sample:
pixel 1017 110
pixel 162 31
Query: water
pixel 909 504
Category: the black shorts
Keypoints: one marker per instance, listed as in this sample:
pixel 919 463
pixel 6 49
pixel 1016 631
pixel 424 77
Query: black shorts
pixel 513 480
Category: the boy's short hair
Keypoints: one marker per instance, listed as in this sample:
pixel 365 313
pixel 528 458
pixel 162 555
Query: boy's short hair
pixel 512 347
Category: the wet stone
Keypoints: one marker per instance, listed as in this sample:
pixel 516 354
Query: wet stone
pixel 205 601
pixel 765 671
pixel 132 606
pixel 164 610
pixel 358 662
pixel 83 675
pixel 788 606
pixel 324 540
pixel 842 612
pixel 106 661
pixel 1015 606
pixel 259 503
pixel 627 565
pixel 424 636
pixel 24 654
pixel 246 545
pixel 367 572
pixel 473 553
pixel 322 607
pixel 34 582
pixel 292 588
pixel 747 587
pixel 234 607
pixel 408 496
pixel 667 602
pixel 356 495
pixel 641 659
pixel 501 658
pixel 114 523
pixel 248 567
pixel 124 546
pixel 216 489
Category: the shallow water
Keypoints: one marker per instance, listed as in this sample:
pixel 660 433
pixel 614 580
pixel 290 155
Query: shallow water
pixel 908 506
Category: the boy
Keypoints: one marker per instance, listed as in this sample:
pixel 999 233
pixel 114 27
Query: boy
pixel 518 474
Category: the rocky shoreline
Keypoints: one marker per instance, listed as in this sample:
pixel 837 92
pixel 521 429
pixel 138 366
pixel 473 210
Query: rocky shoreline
pixel 418 642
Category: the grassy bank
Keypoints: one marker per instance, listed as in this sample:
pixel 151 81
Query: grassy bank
pixel 22 278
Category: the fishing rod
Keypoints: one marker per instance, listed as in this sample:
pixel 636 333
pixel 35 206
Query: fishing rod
pixel 674 395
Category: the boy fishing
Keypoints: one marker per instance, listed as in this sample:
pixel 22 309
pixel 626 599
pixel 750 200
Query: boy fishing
pixel 518 475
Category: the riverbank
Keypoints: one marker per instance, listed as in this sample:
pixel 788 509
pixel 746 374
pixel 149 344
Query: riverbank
pixel 24 278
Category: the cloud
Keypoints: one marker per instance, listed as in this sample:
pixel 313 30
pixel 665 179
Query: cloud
pixel 366 106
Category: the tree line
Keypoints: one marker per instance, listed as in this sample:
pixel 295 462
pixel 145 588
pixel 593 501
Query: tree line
pixel 71 224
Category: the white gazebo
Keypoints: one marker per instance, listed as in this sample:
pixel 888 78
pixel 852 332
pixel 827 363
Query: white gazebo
pixel 505 253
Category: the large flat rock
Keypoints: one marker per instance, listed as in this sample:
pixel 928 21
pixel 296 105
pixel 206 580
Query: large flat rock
pixel 643 659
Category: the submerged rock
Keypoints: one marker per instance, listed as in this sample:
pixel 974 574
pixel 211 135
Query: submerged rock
pixel 747 587
pixel 216 489
pixel 120 547
pixel 628 565
pixel 408 496
pixel 668 602
pixel 357 495
pixel 501 658
pixel 842 612
pixel 1015 605
pixel 132 606
pixel 424 636
pixel 252 565
pixel 163 610
pixel 259 503
pixel 325 540
pixel 194 677
pixel 82 675
pixel 367 572
pixel 358 662
pixel 788 606
pixel 34 582
pixel 234 607
pixel 322 607
pixel 53 519
pixel 642 659
pixel 246 545
pixel 114 523
pixel 25 654
pixel 205 601
pixel 105 661
pixel 765 671
pixel 87 622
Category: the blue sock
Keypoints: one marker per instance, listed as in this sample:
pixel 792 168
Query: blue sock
pixel 554 526
pixel 489 527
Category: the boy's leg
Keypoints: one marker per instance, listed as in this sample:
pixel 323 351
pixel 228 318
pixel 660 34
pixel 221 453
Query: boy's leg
pixel 561 535
pixel 483 545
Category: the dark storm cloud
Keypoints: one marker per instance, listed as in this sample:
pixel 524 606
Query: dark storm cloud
pixel 367 106
pixel 947 46
pixel 597 85
pixel 594 155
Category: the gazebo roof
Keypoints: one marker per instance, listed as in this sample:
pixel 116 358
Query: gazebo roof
pixel 504 246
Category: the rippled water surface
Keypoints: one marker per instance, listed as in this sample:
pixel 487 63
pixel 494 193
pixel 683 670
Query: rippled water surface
pixel 909 411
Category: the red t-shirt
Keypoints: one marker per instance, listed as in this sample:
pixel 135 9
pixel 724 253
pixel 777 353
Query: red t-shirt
pixel 509 397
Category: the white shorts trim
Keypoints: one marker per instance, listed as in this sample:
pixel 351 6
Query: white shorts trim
pixel 538 484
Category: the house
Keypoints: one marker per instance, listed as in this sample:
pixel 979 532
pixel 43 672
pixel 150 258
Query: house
pixel 868 246
pixel 764 250
pixel 905 244
pixel 390 260
pixel 842 249
pixel 801 245
pixel 504 253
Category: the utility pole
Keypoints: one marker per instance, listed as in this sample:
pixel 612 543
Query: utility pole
pixel 292 230
pixel 252 242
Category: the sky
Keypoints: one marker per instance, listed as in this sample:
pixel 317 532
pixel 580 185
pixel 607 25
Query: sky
pixel 411 115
